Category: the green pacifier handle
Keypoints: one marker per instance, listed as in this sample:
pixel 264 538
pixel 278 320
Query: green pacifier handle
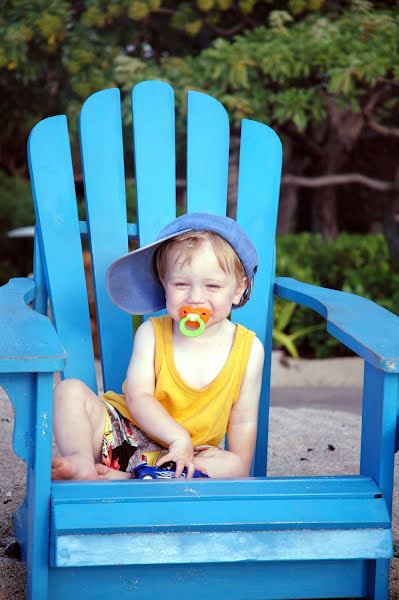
pixel 192 332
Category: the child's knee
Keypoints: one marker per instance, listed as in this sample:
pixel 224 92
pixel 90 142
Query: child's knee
pixel 235 465
pixel 222 463
pixel 70 390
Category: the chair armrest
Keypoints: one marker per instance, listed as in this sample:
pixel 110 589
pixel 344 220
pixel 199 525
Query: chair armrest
pixel 28 340
pixel 369 330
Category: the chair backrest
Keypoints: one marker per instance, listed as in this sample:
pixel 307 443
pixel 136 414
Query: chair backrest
pixel 59 230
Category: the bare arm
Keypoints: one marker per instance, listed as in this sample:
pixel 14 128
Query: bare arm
pixel 243 420
pixel 148 413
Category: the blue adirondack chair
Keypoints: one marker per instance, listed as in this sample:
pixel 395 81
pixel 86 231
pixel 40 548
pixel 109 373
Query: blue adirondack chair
pixel 291 537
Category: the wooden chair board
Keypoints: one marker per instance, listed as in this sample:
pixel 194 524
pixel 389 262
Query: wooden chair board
pixel 292 537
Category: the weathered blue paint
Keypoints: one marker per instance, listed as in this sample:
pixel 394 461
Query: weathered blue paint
pixel 195 507
pixel 153 117
pixel 207 155
pixel 206 515
pixel 380 393
pixel 40 301
pixel 28 341
pixel 379 579
pixel 277 580
pixel 220 547
pixel 104 179
pixel 275 530
pixel 344 486
pixel 32 441
pixel 366 328
pixel 53 188
pixel 257 202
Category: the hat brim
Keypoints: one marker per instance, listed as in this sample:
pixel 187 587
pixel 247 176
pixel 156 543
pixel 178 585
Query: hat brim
pixel 132 282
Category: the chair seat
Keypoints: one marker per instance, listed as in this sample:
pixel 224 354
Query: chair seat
pixel 151 522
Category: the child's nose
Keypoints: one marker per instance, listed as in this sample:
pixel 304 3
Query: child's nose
pixel 195 295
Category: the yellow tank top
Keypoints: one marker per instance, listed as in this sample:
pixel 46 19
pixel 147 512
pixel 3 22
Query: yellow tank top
pixel 203 413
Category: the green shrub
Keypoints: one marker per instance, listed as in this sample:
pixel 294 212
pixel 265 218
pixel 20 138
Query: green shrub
pixel 15 202
pixel 359 264
pixel 16 210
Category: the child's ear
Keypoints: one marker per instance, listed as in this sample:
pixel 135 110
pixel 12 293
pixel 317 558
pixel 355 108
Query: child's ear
pixel 241 287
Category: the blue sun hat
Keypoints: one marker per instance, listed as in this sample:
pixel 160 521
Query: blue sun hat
pixel 132 282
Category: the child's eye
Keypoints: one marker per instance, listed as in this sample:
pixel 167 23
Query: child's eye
pixel 213 286
pixel 180 284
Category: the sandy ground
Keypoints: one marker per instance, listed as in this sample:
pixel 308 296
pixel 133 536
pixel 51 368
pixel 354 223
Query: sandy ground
pixel 314 430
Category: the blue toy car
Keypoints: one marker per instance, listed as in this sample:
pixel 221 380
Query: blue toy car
pixel 167 471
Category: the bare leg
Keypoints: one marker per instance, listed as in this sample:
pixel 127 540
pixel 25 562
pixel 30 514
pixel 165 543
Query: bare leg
pixel 78 430
pixel 104 472
pixel 220 463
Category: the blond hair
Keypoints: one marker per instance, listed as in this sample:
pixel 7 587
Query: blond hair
pixel 187 244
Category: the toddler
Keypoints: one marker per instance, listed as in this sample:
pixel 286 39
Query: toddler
pixel 193 376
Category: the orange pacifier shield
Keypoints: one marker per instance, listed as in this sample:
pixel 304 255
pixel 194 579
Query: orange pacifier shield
pixel 193 320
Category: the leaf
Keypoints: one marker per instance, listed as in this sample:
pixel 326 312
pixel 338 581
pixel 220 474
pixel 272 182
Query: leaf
pixel 300 121
pixel 306 330
pixel 285 341
pixel 285 315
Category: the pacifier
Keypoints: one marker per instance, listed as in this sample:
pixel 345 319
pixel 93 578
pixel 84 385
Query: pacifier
pixel 193 320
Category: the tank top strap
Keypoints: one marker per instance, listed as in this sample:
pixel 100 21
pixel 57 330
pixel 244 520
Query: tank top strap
pixel 160 325
pixel 243 345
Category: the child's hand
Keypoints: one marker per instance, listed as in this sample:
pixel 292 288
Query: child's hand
pixel 181 452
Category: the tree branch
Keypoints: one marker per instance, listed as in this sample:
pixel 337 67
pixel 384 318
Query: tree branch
pixel 314 182
pixel 164 10
pixel 295 134
pixel 393 82
pixel 226 32
pixel 340 179
pixel 382 129
pixel 378 98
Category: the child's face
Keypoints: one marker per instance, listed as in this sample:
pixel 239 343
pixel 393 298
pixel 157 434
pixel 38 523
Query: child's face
pixel 201 283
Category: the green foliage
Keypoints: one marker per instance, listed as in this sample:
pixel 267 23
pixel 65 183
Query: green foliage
pixel 16 211
pixel 287 57
pixel 358 264
pixel 16 203
pixel 282 317
pixel 284 73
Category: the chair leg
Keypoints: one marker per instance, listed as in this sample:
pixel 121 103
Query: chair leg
pixel 380 393
pixel 380 580
pixel 38 494
pixel 32 398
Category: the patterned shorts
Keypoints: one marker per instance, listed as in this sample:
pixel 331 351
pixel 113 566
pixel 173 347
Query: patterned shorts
pixel 124 444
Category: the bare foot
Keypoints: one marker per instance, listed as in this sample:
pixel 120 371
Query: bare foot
pixel 72 467
pixel 104 472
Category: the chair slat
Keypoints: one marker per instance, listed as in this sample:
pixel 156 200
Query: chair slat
pixel 104 178
pixel 257 203
pixel 53 188
pixel 207 154
pixel 154 156
pixel 205 547
pixel 275 580
pixel 333 486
